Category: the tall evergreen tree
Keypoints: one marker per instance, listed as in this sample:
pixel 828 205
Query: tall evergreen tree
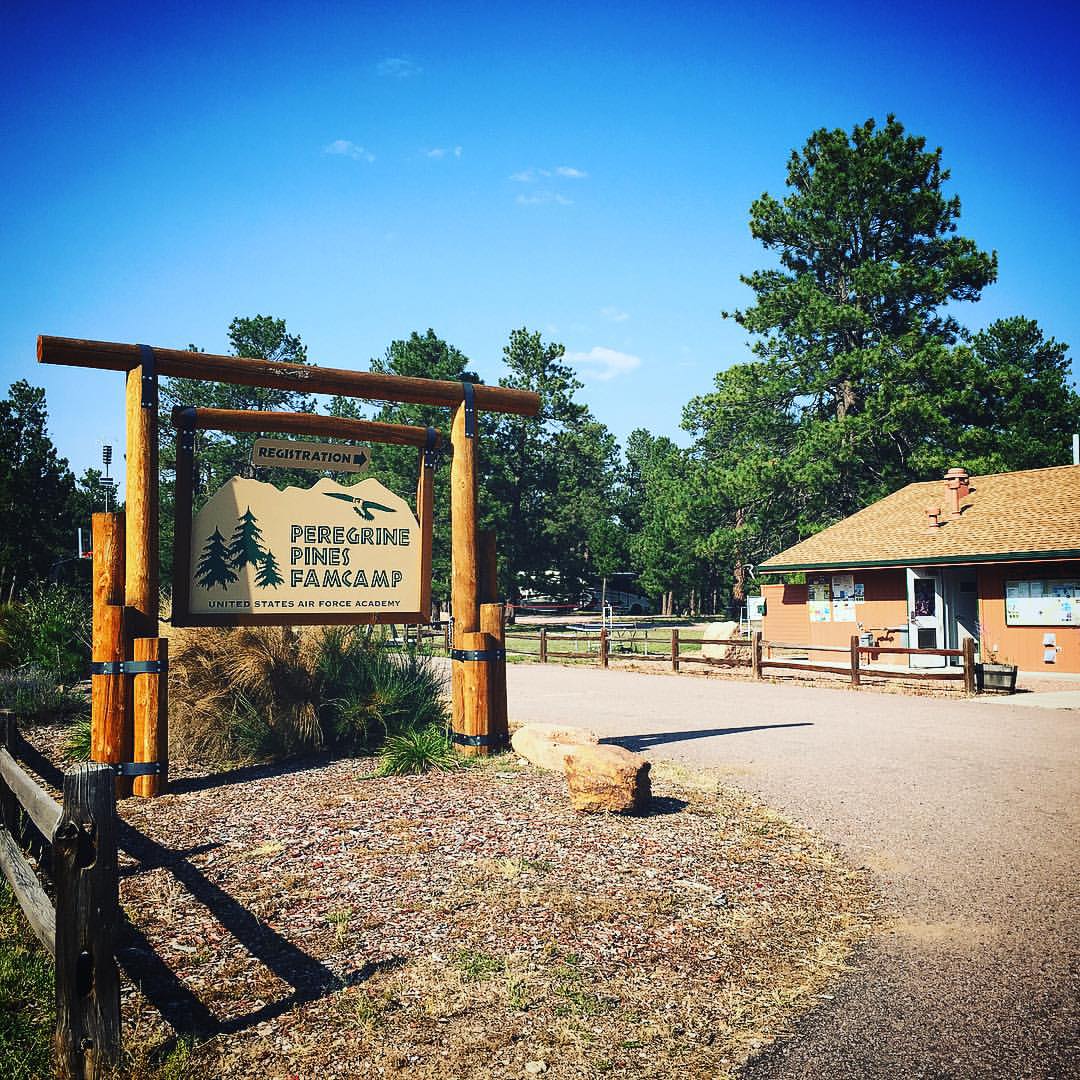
pixel 852 329
pixel 213 569
pixel 39 509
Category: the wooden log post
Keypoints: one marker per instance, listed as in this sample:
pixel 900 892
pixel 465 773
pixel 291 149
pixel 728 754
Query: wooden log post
pixel 674 648
pixel 151 708
pixel 755 655
pixel 543 645
pixel 474 737
pixel 87 916
pixel 491 623
pixel 603 647
pixel 855 677
pixel 470 681
pixel 110 740
pixel 141 558
pixel 969 665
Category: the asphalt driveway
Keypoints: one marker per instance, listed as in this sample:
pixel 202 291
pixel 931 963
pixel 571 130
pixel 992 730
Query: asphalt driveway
pixel 969 814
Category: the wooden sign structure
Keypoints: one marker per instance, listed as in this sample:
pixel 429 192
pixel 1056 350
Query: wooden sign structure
pixel 326 555
pixel 135 739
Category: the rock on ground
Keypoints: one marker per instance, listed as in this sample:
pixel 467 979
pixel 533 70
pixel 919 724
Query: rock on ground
pixel 545 745
pixel 609 778
pixel 720 631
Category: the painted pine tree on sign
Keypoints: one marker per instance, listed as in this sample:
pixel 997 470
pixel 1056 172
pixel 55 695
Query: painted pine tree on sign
pixel 269 575
pixel 246 547
pixel 213 568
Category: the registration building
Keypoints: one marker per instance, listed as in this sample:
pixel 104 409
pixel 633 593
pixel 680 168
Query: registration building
pixel 995 558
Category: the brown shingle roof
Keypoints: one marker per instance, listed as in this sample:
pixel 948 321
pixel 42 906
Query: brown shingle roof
pixel 1033 514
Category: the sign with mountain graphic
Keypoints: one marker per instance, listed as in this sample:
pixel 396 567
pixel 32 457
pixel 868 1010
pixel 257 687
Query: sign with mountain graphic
pixel 325 554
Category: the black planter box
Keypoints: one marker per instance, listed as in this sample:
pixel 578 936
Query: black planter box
pixel 995 677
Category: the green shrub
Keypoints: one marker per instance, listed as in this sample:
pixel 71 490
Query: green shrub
pixel 262 693
pixel 51 631
pixel 418 750
pixel 33 695
pixel 78 742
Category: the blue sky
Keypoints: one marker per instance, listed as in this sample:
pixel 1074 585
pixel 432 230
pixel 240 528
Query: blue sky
pixel 364 170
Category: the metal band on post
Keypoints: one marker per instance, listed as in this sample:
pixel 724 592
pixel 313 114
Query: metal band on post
pixel 473 740
pixel 469 390
pixel 149 377
pixel 478 655
pixel 129 667
pixel 431 455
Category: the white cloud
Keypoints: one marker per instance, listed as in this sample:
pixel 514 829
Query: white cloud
pixel 439 152
pixel 531 174
pixel 398 67
pixel 539 197
pixel 614 314
pixel 345 148
pixel 602 363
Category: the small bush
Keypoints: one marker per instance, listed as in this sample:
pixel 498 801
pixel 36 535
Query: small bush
pixel 32 694
pixel 264 693
pixel 78 742
pixel 51 631
pixel 417 751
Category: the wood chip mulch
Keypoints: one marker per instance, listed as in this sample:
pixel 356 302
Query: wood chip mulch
pixel 317 921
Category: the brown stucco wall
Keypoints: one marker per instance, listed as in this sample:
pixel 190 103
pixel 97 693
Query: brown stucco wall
pixel 786 616
pixel 1023 645
pixel 885 606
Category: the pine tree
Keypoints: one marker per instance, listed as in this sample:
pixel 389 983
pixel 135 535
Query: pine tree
pixel 268 576
pixel 213 568
pixel 245 547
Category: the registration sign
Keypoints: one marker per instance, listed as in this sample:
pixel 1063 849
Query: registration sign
pixel 324 457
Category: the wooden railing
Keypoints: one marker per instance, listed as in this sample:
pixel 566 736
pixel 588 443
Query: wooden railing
pixel 79 929
pixel 753 653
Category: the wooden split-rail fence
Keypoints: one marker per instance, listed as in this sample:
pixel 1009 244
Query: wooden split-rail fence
pixel 760 656
pixel 76 845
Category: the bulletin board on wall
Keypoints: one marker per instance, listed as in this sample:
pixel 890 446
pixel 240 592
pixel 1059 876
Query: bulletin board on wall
pixel 1042 602
pixel 833 598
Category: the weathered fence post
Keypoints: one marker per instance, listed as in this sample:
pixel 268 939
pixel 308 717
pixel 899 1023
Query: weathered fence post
pixel 969 665
pixel 755 655
pixel 543 644
pixel 110 738
pixel 674 648
pixel 855 677
pixel 87 913
pixel 603 647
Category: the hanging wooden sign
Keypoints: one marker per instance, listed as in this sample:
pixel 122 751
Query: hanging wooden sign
pixel 331 553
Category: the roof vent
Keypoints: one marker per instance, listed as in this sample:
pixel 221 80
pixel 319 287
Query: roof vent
pixel 932 515
pixel 957 489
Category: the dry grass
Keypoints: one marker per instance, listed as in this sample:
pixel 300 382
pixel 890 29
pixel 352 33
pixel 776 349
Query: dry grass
pixel 478 928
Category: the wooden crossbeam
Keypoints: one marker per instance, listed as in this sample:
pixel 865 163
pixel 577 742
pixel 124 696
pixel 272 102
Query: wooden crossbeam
pixel 275 374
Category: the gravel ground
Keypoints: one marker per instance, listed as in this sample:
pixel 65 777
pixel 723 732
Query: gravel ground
pixel 968 815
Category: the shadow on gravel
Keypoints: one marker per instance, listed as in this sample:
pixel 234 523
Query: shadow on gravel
pixel 637 743
pixel 188 784
pixel 308 978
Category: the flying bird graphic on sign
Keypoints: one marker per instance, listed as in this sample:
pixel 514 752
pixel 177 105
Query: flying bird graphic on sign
pixel 364 507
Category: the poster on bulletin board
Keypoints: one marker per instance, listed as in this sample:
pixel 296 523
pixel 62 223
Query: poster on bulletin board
pixel 1042 603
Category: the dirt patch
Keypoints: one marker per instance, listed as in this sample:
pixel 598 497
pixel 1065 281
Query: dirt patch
pixel 319 921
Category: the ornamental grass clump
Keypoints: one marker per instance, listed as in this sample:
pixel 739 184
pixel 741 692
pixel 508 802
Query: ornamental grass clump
pixel 417 751
pixel 259 693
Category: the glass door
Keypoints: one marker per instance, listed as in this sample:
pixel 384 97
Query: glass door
pixel 925 616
